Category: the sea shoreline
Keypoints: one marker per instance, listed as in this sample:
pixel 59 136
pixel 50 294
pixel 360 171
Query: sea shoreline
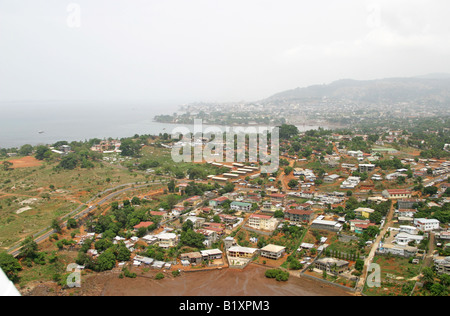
pixel 146 127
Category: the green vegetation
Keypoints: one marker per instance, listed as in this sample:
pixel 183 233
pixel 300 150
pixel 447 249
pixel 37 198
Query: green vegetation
pixel 10 266
pixel 277 274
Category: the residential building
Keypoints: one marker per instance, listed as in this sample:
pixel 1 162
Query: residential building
pixel 298 216
pixel 167 240
pixel 406 212
pixel 426 225
pixel 218 201
pixel 350 182
pixel 307 194
pixel 396 194
pixel 272 251
pixel 240 206
pixel 193 201
pixel 409 229
pixel 331 178
pixel 366 168
pixel 355 153
pixel 377 177
pixel 278 197
pixel 332 265
pixel 163 214
pixel 398 250
pixel 194 258
pixel 211 254
pixel 407 203
pixel 405 238
pixel 358 226
pixel 228 242
pixel 364 212
pixel 262 222
pixel 442 265
pixel 142 224
pixel 197 221
pixel 320 223
pixel 444 236
pixel 228 219
pixel 210 236
pixel 218 228
pixel 242 252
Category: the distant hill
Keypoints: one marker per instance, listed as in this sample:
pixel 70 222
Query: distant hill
pixel 433 87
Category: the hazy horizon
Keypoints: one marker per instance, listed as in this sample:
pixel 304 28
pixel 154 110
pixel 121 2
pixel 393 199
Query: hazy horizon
pixel 179 52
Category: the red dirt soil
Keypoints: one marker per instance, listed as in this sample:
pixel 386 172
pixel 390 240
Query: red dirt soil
pixel 25 162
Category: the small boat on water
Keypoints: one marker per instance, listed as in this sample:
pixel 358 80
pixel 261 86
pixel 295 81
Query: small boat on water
pixel 41 132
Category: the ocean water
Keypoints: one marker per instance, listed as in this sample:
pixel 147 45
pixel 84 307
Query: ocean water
pixel 22 122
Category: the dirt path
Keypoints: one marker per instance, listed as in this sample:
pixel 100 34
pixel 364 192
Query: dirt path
pixel 371 255
pixel 247 282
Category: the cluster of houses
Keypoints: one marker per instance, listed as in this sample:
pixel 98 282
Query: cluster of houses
pixel 62 150
pixel 404 239
pixel 107 146
pixel 256 212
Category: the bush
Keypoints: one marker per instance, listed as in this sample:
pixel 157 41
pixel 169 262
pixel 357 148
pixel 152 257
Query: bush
pixel 277 274
pixel 128 274
pixel 159 276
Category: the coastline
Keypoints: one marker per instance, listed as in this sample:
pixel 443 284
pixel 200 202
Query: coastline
pixel 72 132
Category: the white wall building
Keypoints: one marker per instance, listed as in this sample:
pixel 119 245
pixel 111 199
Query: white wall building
pixel 405 238
pixel 426 225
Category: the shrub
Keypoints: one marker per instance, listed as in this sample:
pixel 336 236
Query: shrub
pixel 277 274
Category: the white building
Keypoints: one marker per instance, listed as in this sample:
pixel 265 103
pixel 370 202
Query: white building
pixel 397 250
pixel 377 177
pixel 350 183
pixel 426 225
pixel 263 222
pixel 273 251
pixel 167 240
pixel 404 239
pixel 406 212
pixel 409 229
pixel 331 178
pixel 366 168
pixel 320 223
pixel 442 265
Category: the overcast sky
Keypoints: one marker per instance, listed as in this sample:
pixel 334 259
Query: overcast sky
pixel 212 50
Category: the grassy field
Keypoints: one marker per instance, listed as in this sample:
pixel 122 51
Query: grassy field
pixel 36 193
pixel 396 274
pixel 31 197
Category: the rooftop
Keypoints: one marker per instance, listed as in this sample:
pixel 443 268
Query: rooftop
pixel 273 248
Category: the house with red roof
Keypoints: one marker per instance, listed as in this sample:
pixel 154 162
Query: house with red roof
pixel 262 222
pixel 397 194
pixel 143 224
pixel 298 216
